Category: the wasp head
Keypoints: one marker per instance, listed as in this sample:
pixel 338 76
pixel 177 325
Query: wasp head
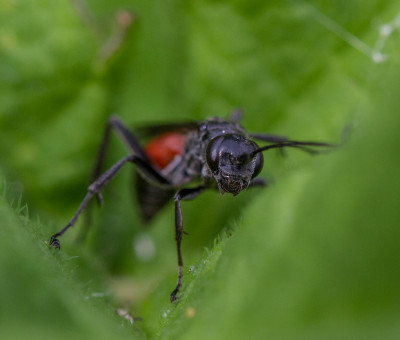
pixel 232 162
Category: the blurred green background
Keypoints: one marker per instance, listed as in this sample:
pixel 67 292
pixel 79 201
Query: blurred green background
pixel 313 256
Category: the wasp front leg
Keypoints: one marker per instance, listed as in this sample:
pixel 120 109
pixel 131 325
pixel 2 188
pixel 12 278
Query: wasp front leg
pixel 137 156
pixel 187 195
pixel 94 189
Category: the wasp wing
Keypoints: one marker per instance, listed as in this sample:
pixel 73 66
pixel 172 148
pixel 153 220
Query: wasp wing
pixel 151 198
pixel 150 131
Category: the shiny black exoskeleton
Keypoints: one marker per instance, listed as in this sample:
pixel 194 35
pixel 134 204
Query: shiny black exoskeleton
pixel 214 153
pixel 231 161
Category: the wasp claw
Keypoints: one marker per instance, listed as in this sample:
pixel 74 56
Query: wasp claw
pixel 54 243
pixel 173 296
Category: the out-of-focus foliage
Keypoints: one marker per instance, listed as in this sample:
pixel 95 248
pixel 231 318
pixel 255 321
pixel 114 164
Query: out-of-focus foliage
pixel 313 256
pixel 38 299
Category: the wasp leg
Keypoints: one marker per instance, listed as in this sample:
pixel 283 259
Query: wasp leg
pixel 93 189
pixel 102 181
pixel 182 194
pixel 132 145
pixel 130 141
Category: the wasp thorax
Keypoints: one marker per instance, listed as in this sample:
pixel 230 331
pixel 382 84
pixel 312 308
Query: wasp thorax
pixel 232 163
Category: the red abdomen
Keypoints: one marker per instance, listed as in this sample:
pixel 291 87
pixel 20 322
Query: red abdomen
pixel 162 149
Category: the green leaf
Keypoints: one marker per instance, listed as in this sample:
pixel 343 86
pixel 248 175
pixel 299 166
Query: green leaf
pixel 312 256
pixel 40 296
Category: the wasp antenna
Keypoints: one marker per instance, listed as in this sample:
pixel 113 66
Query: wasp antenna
pixel 264 148
pixel 305 146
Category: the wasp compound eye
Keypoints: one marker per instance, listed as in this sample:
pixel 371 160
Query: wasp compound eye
pixel 213 152
pixel 231 150
pixel 259 162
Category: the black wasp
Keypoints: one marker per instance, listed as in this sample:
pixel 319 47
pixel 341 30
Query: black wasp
pixel 184 159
